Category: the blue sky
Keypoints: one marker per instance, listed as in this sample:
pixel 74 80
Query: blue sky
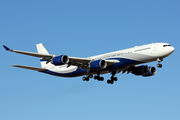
pixel 81 29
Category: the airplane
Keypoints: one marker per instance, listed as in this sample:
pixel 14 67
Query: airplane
pixel 127 60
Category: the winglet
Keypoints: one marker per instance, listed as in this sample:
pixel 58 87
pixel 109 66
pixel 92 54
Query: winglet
pixel 6 48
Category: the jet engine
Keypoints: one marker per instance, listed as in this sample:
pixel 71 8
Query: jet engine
pixel 140 70
pixel 98 64
pixel 151 72
pixel 144 70
pixel 60 60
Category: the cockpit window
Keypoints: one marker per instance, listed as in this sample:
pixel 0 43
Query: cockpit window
pixel 166 45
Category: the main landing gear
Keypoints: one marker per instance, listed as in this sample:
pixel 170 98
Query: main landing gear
pixel 87 77
pixel 159 61
pixel 112 78
pixel 97 77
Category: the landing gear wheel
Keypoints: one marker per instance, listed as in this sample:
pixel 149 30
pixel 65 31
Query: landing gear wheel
pixel 95 77
pixel 115 78
pixel 84 78
pixel 91 76
pixel 112 81
pixel 159 61
pixel 101 79
pixel 108 81
pixel 112 77
pixel 159 65
pixel 87 79
pixel 98 78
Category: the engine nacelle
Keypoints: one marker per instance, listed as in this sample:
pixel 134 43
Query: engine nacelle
pixel 140 70
pixel 60 60
pixel 151 72
pixel 98 64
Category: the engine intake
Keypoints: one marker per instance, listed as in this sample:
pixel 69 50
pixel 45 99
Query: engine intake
pixel 151 72
pixel 60 60
pixel 98 64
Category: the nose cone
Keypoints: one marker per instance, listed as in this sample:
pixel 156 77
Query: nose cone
pixel 170 50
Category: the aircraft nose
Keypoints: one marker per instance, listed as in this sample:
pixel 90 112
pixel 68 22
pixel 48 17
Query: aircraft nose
pixel 171 49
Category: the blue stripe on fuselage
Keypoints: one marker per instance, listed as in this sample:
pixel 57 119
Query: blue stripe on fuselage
pixel 124 62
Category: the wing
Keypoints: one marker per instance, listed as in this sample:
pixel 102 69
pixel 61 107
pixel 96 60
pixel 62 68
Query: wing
pixel 80 62
pixel 29 53
pixel 30 68
pixel 76 61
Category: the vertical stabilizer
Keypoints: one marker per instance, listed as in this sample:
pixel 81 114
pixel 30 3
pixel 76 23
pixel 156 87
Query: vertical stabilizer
pixel 42 50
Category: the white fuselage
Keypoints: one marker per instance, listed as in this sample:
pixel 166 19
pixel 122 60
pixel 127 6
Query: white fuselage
pixel 131 57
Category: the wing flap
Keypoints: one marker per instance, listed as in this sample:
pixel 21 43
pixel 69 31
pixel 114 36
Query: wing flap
pixel 30 68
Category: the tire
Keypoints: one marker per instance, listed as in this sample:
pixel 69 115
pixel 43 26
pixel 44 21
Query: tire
pixel 87 79
pixel 101 78
pixel 95 77
pixel 108 81
pixel 115 78
pixel 84 78
pixel 159 65
pixel 91 76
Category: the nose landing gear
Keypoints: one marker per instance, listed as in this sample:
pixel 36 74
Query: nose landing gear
pixel 159 61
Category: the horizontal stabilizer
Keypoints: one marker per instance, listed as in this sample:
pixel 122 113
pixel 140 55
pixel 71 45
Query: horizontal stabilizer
pixel 30 68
